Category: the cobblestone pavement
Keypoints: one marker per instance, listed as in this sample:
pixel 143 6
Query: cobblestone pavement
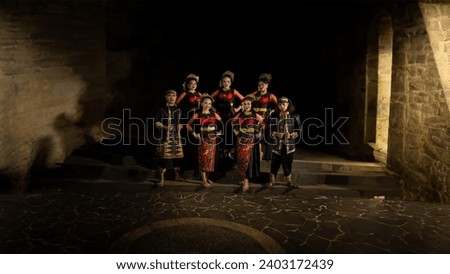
pixel 94 218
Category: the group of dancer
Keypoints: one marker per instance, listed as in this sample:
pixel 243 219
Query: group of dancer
pixel 224 126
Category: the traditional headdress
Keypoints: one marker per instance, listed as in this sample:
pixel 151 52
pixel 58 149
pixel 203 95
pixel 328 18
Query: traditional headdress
pixel 249 97
pixel 265 77
pixel 228 74
pixel 203 97
pixel 190 77
pixel 206 96
pixel 284 99
pixel 171 91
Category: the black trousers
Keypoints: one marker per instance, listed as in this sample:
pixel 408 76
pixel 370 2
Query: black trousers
pixel 284 160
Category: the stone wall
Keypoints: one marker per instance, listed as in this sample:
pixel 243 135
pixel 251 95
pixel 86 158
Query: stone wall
pixel 419 136
pixel 52 82
pixel 419 119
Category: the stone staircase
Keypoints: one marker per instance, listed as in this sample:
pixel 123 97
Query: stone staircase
pixel 318 173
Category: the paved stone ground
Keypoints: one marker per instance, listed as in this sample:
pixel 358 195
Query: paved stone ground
pixel 109 218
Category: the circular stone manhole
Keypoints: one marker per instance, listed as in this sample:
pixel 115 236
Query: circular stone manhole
pixel 195 235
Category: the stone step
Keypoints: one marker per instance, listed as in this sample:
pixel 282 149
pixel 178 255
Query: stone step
pixel 144 156
pixel 302 166
pixel 131 167
pixel 344 167
pixel 95 170
pixel 314 172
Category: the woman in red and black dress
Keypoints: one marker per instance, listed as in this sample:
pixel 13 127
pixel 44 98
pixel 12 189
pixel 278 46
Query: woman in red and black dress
pixel 205 125
pixel 247 127
pixel 188 102
pixel 225 97
pixel 226 100
pixel 264 104
pixel 189 98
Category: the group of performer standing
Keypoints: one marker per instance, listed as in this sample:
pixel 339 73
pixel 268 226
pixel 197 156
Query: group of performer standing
pixel 226 126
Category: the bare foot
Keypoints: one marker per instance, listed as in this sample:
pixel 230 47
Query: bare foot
pixel 245 185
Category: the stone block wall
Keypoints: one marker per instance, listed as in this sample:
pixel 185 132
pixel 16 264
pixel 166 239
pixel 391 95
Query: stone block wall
pixel 419 136
pixel 52 83
pixel 419 119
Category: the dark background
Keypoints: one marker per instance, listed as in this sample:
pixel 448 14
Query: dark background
pixel 296 43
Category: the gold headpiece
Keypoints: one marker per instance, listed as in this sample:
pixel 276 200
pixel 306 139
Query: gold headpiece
pixel 228 74
pixel 193 77
pixel 206 96
pixel 265 77
pixel 249 97
pixel 188 78
pixel 203 97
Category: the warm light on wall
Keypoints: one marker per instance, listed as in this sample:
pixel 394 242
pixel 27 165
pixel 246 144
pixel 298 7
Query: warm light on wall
pixel 384 86
pixel 378 86
pixel 437 22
